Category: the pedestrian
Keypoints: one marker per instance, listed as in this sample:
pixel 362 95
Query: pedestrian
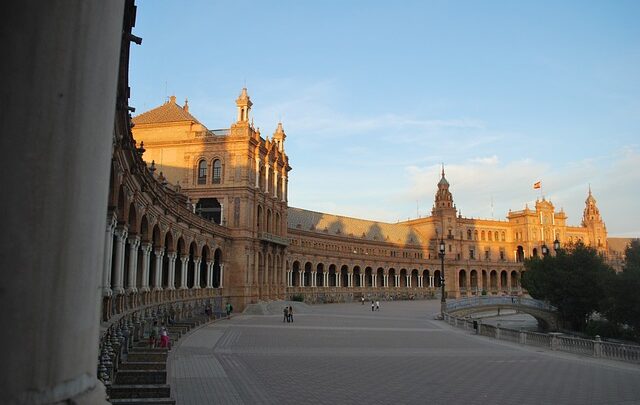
pixel 377 305
pixel 290 313
pixel 286 314
pixel 362 298
pixel 164 337
pixel 229 309
pixel 373 305
pixel 153 335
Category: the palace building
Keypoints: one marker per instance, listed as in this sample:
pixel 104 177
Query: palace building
pixel 236 180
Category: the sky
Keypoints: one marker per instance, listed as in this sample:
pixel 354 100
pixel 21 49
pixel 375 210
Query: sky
pixel 375 95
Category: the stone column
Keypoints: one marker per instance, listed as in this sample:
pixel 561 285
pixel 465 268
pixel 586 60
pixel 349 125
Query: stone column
pixel 275 183
pixel 196 274
pixel 420 281
pixel 325 280
pixel 121 235
pixel 157 283
pixel 172 270
pixel 361 280
pixel 313 279
pixel 338 279
pixel 134 243
pixel 257 172
pixel 184 263
pixel 385 280
pixel 284 186
pixel 350 280
pixel 221 274
pixel 108 252
pixel 266 179
pixel 397 280
pixel 59 82
pixel 408 278
pixel 146 250
pixel 210 265
pixel 301 278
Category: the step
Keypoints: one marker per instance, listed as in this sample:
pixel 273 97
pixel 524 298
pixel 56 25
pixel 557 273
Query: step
pixel 121 391
pixel 141 377
pixel 142 365
pixel 143 401
pixel 150 357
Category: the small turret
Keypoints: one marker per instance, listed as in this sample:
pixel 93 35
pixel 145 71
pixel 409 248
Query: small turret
pixel 244 106
pixel 279 137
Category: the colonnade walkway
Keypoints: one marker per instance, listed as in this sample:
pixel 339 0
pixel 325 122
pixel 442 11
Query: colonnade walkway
pixel 347 354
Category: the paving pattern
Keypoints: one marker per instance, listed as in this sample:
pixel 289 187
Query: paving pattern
pixel 347 354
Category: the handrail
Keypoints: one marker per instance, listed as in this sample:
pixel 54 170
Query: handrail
pixel 462 303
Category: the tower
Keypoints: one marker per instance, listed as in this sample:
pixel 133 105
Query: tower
pixel 279 137
pixel 592 220
pixel 244 106
pixel 444 209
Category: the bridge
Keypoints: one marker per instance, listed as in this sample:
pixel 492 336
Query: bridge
pixel 544 313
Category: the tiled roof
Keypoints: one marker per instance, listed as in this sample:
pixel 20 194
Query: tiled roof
pixel 167 112
pixel 352 227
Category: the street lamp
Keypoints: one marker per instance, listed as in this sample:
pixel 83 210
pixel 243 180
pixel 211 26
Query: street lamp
pixel 545 250
pixel 443 301
pixel 556 245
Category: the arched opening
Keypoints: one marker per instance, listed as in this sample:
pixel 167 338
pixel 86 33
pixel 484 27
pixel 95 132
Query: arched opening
pixel 392 277
pixel 209 209
pixel 268 228
pixel 368 277
pixel 462 280
pixel 379 277
pixel 426 278
pixel 181 251
pixel 356 277
pixel 320 275
pixel 403 278
pixel 191 265
pixel 276 227
pixel 493 279
pixel 473 276
pixel 307 274
pixel 144 240
pixel 332 275
pixel 503 280
pixel 515 281
pixel 344 274
pixel 485 283
pixel 169 248
pixel 519 254
pixel 206 256
pixel 535 252
pixel 295 276
pixel 217 261
pixel 437 279
pixel 259 219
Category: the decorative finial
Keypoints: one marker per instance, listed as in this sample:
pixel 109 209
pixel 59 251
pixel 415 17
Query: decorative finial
pixel 172 99
pixel 186 105
pixel 442 169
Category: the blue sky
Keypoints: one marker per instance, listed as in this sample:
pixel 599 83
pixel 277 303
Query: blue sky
pixel 374 95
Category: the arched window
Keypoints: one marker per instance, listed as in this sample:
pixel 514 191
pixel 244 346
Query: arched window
pixel 489 235
pixel 475 235
pixel 496 235
pixel 202 172
pixel 217 171
pixel 503 238
pixel 469 234
pixel 482 235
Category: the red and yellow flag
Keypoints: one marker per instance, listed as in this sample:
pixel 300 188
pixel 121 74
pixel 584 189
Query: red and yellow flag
pixel 537 185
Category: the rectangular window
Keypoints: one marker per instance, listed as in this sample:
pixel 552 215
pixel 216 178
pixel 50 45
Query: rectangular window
pixel 487 254
pixel 471 254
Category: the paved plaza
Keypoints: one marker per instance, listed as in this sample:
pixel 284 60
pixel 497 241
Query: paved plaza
pixel 347 354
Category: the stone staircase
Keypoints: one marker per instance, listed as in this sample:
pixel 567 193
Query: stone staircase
pixel 141 376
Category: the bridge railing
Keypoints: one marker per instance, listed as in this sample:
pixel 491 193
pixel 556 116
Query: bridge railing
pixel 553 341
pixel 453 305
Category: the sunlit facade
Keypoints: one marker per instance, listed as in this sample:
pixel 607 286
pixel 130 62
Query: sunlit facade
pixel 237 179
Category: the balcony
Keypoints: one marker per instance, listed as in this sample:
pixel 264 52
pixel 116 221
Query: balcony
pixel 268 237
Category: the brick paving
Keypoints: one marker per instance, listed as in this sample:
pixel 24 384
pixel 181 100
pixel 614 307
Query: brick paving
pixel 347 354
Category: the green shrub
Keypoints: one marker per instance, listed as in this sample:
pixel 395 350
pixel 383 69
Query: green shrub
pixel 297 298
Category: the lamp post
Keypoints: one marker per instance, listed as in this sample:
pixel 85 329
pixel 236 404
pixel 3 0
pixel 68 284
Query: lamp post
pixel 556 245
pixel 545 250
pixel 443 300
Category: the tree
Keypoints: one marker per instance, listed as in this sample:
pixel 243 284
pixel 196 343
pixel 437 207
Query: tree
pixel 573 281
pixel 623 306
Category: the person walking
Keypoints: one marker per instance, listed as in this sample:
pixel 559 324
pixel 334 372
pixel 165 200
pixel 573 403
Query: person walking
pixel 373 305
pixel 377 305
pixel 286 314
pixel 290 313
pixel 362 298
pixel 229 309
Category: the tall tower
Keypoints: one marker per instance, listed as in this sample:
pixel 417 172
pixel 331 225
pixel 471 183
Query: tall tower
pixel 244 106
pixel 591 220
pixel 444 208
